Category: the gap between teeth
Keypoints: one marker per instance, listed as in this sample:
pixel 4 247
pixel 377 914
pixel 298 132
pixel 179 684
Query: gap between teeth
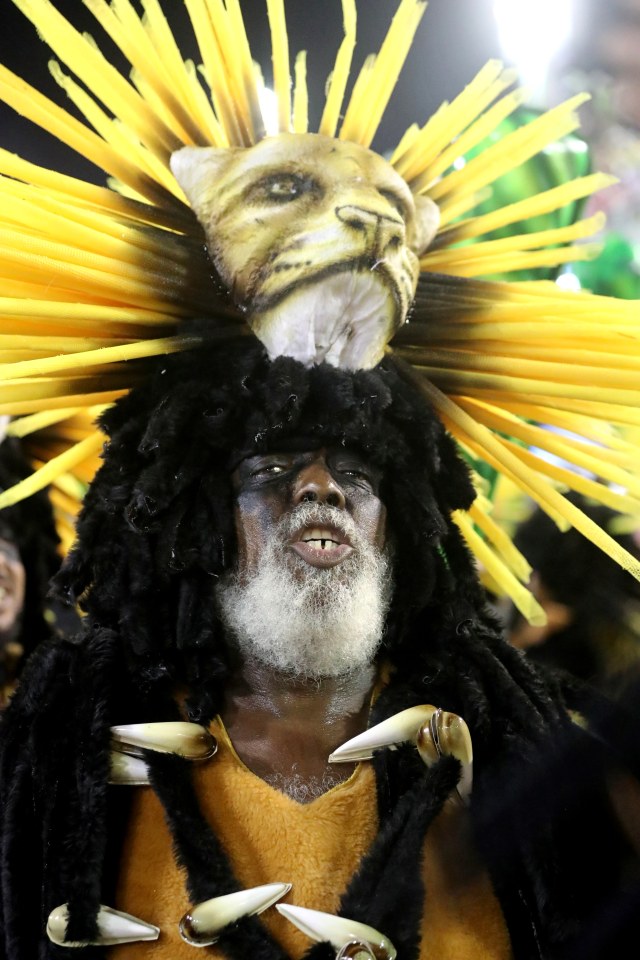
pixel 323 544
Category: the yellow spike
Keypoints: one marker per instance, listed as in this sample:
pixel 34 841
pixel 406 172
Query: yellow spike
pixel 340 74
pixel 383 76
pixel 280 58
pixel 90 313
pixel 522 260
pixel 477 383
pixel 45 475
pixel 542 203
pixel 123 25
pixel 614 499
pixel 548 372
pixel 501 541
pixel 106 277
pixel 205 37
pixel 411 145
pixel 209 26
pixel 240 54
pixel 234 73
pixel 86 195
pixel 519 243
pixel 121 138
pixel 500 572
pixel 407 140
pixel 38 421
pixel 91 358
pixel 300 95
pixel 88 229
pixel 95 71
pixel 509 152
pixel 61 501
pixel 485 125
pixel 621 413
pixel 10 343
pixel 451 119
pixel 482 437
pixel 30 103
pixel 356 118
pixel 596 430
pixel 177 91
pixel 48 399
pixel 595 460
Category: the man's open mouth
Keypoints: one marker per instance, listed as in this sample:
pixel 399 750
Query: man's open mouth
pixel 321 546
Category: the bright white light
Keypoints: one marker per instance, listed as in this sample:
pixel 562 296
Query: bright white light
pixel 269 108
pixel 569 281
pixel 531 33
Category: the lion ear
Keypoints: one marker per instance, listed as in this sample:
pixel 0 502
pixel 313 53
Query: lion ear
pixel 426 223
pixel 197 169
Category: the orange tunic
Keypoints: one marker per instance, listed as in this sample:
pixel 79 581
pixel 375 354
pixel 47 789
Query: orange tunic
pixel 316 847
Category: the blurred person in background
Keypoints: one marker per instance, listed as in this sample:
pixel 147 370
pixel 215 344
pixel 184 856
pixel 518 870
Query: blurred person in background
pixel 28 559
pixel 592 604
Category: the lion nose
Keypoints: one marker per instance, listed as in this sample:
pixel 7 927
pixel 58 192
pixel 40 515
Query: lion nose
pixel 385 232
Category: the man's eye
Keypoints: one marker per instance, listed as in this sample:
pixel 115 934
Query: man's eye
pixel 356 472
pixel 267 469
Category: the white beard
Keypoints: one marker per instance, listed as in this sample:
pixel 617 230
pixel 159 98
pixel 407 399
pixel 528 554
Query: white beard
pixel 302 620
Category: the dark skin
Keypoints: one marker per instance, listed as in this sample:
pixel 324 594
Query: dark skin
pixel 283 726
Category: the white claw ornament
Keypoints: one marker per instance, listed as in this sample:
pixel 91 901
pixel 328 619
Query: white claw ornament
pixel 401 728
pixel 435 732
pixel 351 939
pixel 204 923
pixel 113 927
pixel 188 740
pixel 126 770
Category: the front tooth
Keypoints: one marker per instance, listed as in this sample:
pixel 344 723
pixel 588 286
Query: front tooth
pixel 397 729
pixel 188 740
pixel 338 931
pixel 204 923
pixel 113 927
pixel 127 770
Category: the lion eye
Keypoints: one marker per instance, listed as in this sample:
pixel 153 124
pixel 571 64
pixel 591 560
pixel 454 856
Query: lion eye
pixel 283 187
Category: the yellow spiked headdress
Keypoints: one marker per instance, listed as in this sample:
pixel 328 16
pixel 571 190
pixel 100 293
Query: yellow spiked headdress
pixel 95 278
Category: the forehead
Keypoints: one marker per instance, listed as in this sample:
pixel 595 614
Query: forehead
pixel 332 161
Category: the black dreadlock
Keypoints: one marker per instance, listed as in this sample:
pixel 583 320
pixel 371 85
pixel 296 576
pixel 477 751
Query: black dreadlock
pixel 155 532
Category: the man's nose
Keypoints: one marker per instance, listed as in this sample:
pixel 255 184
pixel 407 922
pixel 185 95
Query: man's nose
pixel 315 484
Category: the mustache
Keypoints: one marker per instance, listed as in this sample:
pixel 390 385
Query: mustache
pixel 318 515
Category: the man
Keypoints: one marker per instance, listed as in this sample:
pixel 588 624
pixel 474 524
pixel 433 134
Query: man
pixel 28 559
pixel 273 546
pixel 592 608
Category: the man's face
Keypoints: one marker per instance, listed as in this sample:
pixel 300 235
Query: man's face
pixel 311 586
pixel 12 588
pixel 271 486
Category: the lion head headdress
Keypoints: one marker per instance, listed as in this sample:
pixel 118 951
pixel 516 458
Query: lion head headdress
pixel 319 245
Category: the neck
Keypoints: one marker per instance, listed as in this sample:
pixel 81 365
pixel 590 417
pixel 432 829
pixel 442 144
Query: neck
pixel 284 728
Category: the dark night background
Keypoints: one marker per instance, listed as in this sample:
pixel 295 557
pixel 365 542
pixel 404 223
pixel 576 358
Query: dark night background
pixel 454 40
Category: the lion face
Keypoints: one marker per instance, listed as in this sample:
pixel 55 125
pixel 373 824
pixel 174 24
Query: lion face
pixel 317 239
